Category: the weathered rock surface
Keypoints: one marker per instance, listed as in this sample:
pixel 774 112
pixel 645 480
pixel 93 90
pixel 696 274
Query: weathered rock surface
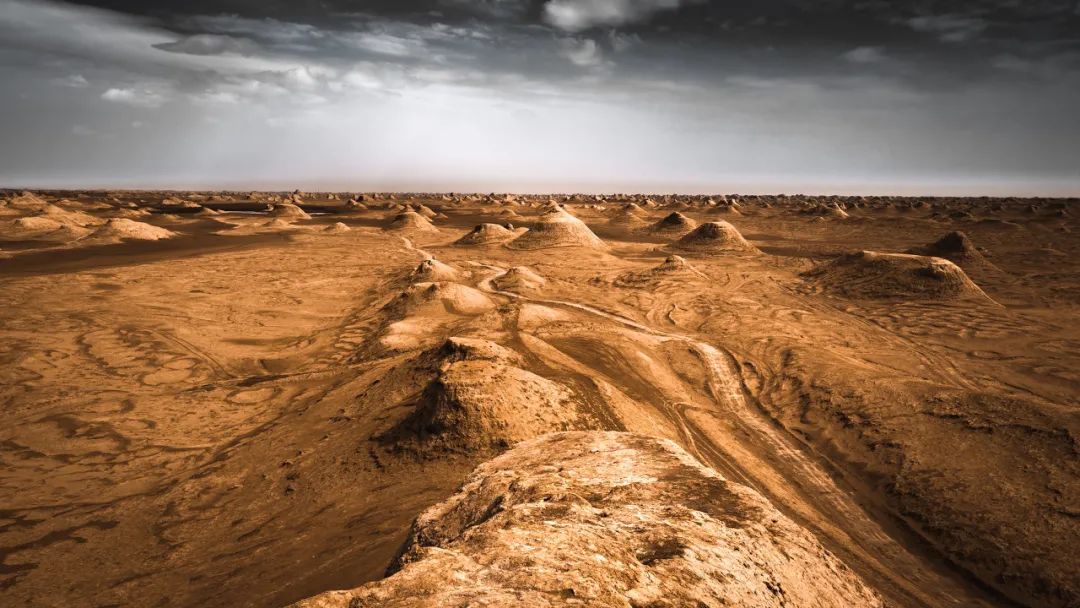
pixel 606 519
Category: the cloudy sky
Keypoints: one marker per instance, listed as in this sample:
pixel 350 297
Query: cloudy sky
pixel 845 96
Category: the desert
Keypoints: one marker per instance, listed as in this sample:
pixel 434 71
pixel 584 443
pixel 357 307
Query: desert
pixel 412 399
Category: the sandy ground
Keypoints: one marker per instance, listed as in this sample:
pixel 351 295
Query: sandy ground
pixel 249 410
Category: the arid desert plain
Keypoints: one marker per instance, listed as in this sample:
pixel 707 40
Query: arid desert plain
pixel 351 400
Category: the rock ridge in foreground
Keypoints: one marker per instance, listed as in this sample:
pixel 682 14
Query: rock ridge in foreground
pixel 606 519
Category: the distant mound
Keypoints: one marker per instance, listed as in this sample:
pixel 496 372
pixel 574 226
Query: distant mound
pixel 432 270
pixel 70 218
pixel 629 215
pixel 726 209
pixel 675 224
pixel 411 221
pixel 520 279
pixel 426 211
pixel 486 234
pixel 120 229
pixel 674 267
pixel 872 275
pixel 557 228
pixel 956 247
pixel 290 211
pixel 714 237
pixel 34 224
pixel 279 224
pixel 337 228
pixel 611 519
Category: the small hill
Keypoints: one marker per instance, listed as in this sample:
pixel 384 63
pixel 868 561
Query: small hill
pixel 289 211
pixel 479 404
pixel 520 279
pixel 444 296
pixel 557 228
pixel 607 519
pixel 411 221
pixel 873 275
pixel 432 270
pixel 714 237
pixel 674 224
pixel 956 247
pixel 120 229
pixel 673 268
pixel 486 234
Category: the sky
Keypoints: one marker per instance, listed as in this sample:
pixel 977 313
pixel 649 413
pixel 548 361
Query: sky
pixel 978 97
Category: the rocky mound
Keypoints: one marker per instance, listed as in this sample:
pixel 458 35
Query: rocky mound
pixel 675 224
pixel 290 211
pixel 337 228
pixel 68 217
pixel 33 224
pixel 557 228
pixel 450 297
pixel 481 401
pixel 629 215
pixel 411 221
pixel 279 224
pixel 121 229
pixel 871 275
pixel 486 234
pixel 520 279
pixel 426 211
pixel 956 247
pixel 674 267
pixel 606 519
pixel 432 270
pixel 713 237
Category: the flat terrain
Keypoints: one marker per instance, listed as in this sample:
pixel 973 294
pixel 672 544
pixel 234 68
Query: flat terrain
pixel 246 400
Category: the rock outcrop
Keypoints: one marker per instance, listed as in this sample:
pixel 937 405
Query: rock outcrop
pixel 605 519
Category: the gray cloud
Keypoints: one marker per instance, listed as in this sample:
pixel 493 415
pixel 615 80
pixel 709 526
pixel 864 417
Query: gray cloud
pixel 209 44
pixel 655 95
pixel 578 15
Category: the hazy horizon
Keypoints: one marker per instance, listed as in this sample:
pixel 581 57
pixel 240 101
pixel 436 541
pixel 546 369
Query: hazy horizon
pixel 654 96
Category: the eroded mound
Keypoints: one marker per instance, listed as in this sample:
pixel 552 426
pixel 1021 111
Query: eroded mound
pixel 432 270
pixel 411 221
pixel 956 247
pixel 337 228
pixel 557 228
pixel 520 279
pixel 121 229
pixel 629 215
pixel 480 403
pixel 486 234
pixel 673 268
pixel 288 210
pixel 606 519
pixel 714 237
pixel 674 224
pixel 871 275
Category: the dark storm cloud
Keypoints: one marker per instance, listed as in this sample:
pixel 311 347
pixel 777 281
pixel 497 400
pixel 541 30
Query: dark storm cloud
pixel 860 91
